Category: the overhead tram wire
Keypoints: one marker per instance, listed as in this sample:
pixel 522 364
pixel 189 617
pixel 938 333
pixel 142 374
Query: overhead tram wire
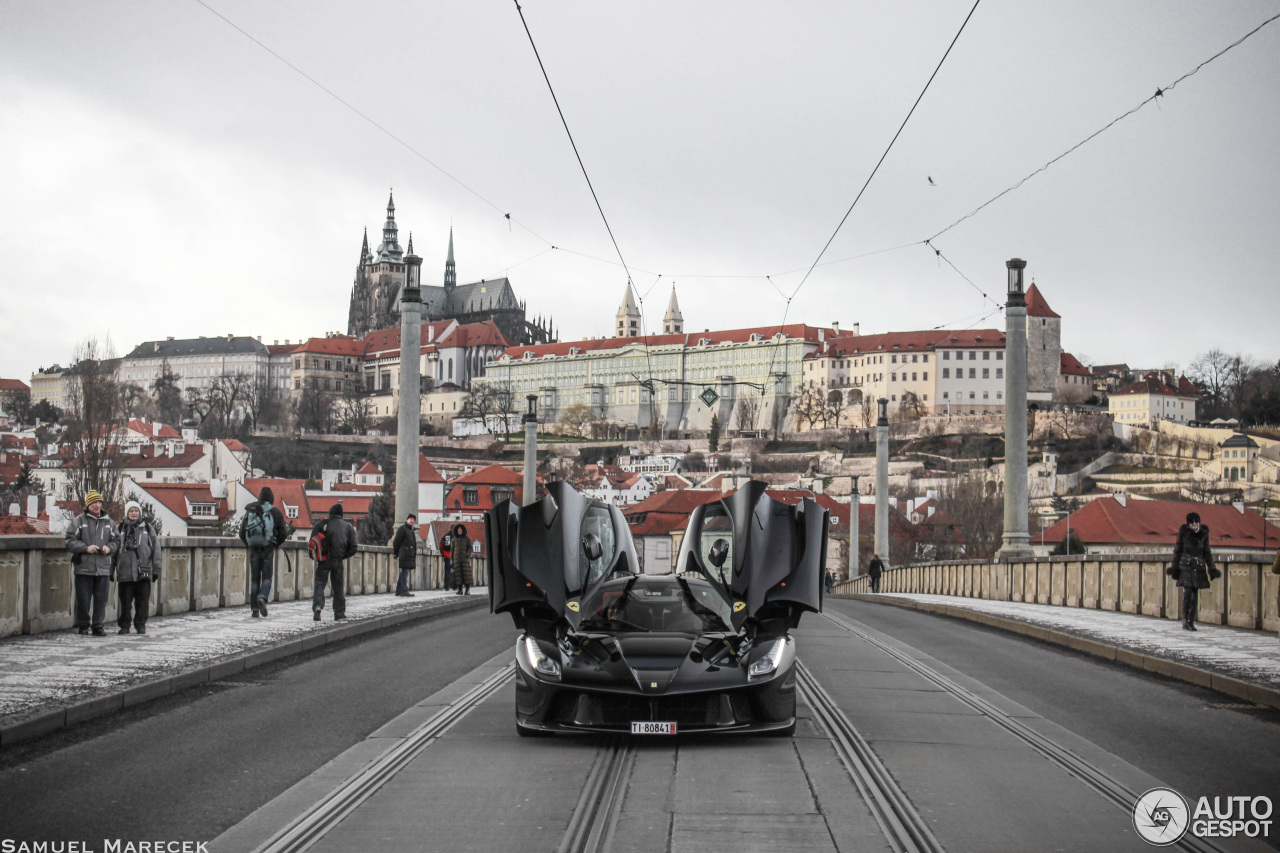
pixel 581 165
pixel 870 177
pixel 1159 93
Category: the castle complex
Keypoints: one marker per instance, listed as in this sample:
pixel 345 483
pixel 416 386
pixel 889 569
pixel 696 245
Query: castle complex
pixel 380 276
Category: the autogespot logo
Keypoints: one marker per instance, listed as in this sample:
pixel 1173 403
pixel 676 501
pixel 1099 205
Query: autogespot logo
pixel 1161 816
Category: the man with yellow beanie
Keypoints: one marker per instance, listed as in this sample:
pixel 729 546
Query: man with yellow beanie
pixel 92 538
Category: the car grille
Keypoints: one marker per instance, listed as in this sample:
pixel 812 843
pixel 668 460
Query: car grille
pixel 610 711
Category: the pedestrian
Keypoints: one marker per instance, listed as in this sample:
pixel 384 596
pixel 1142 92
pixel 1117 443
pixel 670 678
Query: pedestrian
pixel 461 559
pixel 137 564
pixel 405 547
pixel 1275 570
pixel 446 551
pixel 828 581
pixel 92 538
pixel 262 530
pixel 333 541
pixel 1192 566
pixel 875 569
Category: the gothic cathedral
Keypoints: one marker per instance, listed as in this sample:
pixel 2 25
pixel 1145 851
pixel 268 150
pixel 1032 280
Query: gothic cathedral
pixel 380 275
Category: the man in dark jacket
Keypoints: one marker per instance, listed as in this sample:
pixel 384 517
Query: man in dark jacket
pixel 92 538
pixel 875 569
pixel 405 547
pixel 341 538
pixel 1192 566
pixel 262 530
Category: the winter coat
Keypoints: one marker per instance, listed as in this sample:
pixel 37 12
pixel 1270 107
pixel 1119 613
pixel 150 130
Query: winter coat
pixel 140 556
pixel 876 567
pixel 89 530
pixel 280 527
pixel 405 546
pixel 1192 564
pixel 342 540
pixel 460 557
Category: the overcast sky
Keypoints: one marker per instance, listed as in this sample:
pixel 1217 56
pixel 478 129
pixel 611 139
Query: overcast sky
pixel 164 175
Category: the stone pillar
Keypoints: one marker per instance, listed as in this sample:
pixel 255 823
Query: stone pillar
pixel 531 451
pixel 882 481
pixel 410 414
pixel 854 533
pixel 1017 544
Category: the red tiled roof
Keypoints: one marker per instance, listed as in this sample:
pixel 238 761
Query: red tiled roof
pixel 385 342
pixel 476 335
pixel 17 525
pixel 337 345
pixel 659 514
pixel 1071 366
pixel 281 349
pixel 235 445
pixel 286 491
pixel 354 487
pixel 432 533
pixel 13 385
pixel 492 474
pixel 1186 387
pixel 149 429
pixel 174 497
pixel 1036 306
pixel 148 458
pixel 369 468
pixel 1105 522
pixel 1150 385
pixel 912 342
pixel 353 507
pixel 793 332
pixel 427 472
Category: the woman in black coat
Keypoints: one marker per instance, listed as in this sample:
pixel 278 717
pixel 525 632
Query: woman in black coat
pixel 1192 566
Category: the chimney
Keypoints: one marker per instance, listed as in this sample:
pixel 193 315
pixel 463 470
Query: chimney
pixel 33 506
pixel 14 509
pixel 835 326
pixel 276 342
pixel 218 488
pixel 155 428
pixel 169 338
pixel 156 346
pixel 856 327
pixel 1238 503
pixel 1121 498
pixel 49 504
pixel 230 335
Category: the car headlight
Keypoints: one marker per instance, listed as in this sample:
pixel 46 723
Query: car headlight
pixel 541 664
pixel 769 662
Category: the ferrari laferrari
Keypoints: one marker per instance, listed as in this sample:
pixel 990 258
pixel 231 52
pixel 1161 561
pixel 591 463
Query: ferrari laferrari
pixel 604 647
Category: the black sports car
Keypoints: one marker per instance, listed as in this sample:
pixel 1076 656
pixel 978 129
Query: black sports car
pixel 605 648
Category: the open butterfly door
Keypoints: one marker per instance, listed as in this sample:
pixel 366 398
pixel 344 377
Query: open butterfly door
pixel 545 557
pixel 765 557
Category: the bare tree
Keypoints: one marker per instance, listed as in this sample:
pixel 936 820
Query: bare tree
pixel 866 408
pixel 834 406
pixel 166 394
pixel 1210 372
pixel 579 418
pixel 912 408
pixel 505 405
pixel 747 411
pixel 353 410
pixel 314 408
pixel 978 509
pixel 96 413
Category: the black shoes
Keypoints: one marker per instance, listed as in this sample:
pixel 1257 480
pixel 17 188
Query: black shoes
pixel 83 631
pixel 340 618
pixel 262 605
pixel 315 615
pixel 141 629
pixel 1188 626
pixel 257 615
pixel 99 632
pixel 123 630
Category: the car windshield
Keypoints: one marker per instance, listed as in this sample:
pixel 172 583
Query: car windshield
pixel 636 605
pixel 600 522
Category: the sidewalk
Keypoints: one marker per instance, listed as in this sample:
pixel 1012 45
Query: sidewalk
pixel 1235 661
pixel 60 678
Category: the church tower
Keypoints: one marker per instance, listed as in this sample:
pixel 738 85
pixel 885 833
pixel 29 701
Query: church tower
pixel 450 269
pixel 673 320
pixel 628 316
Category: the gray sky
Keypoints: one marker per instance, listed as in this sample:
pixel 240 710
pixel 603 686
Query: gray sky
pixel 163 175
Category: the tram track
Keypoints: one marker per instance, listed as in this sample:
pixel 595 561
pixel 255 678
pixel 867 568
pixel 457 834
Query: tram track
pixel 1101 782
pixel 330 810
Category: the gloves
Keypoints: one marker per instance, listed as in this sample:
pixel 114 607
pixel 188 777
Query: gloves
pixel 1214 574
pixel 1171 572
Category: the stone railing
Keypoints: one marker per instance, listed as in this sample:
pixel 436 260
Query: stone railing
pixel 37 592
pixel 1244 597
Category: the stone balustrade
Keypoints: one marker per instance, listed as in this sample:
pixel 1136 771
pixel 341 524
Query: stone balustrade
pixel 1244 597
pixel 37 592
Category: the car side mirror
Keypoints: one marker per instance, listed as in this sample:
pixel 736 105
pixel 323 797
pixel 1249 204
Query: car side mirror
pixel 591 547
pixel 719 552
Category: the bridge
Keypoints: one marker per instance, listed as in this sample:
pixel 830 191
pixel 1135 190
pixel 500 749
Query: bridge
pixel 394 730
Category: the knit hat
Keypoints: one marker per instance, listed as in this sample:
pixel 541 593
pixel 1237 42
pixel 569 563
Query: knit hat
pixel 336 509
pixel 1193 518
pixel 267 496
pixel 92 498
pixel 132 505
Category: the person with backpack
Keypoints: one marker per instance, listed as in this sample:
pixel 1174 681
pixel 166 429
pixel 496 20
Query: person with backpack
pixel 92 539
pixel 262 530
pixel 137 563
pixel 460 557
pixel 875 569
pixel 332 542
pixel 405 547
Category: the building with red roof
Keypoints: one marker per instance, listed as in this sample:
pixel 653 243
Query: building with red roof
pixel 470 495
pixel 1149 400
pixel 612 485
pixel 184 509
pixel 1075 381
pixel 1123 525
pixel 653 520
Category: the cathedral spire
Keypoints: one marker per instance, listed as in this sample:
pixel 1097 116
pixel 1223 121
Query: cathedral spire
pixel 389 250
pixel 628 315
pixel 364 247
pixel 673 322
pixel 450 269
pixel 410 249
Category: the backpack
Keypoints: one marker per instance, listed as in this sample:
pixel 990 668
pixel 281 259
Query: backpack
pixel 318 544
pixel 446 545
pixel 260 526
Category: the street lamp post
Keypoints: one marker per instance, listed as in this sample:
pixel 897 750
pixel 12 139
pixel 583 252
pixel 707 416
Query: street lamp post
pixel 1015 537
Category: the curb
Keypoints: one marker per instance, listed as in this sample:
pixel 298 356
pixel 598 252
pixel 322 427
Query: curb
pixel 97 706
pixel 1255 693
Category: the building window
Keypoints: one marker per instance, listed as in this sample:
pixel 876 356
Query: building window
pixel 946 395
pixel 971 395
pixel 893 377
pixel 913 377
pixel 986 373
pixel 946 355
pixel 973 356
pixel 999 373
pixel 986 356
pixel 150 474
pixel 894 359
pixel 985 395
pixel 946 373
pixel 471 495
pixel 973 373
pixel 926 376
pixel 999 355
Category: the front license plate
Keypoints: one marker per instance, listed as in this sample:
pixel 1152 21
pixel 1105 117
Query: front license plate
pixel 638 728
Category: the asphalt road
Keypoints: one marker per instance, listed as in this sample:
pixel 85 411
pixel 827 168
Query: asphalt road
pixel 1175 731
pixel 189 766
